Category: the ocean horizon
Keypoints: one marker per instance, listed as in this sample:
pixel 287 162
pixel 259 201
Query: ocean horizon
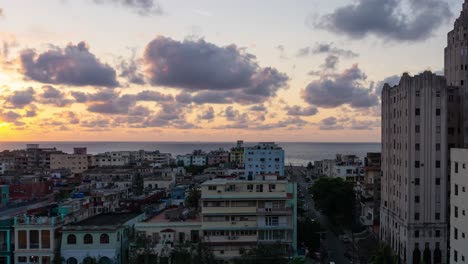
pixel 296 153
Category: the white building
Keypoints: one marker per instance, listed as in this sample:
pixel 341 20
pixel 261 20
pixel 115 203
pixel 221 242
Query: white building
pixel 459 206
pixel 199 160
pixel 414 168
pixel 265 158
pixel 184 160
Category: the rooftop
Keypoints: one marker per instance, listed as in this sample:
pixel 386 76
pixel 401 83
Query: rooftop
pixel 107 219
pixel 221 181
pixel 162 217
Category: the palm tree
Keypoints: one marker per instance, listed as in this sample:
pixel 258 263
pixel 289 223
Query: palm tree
pixel 384 255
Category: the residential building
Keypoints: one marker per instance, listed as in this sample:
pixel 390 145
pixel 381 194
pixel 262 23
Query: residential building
pixel 76 163
pixel 413 215
pixel 184 160
pixel 169 228
pixel 370 192
pixel 237 154
pixel 100 239
pixel 6 243
pixel 5 166
pixel 114 159
pixel 459 206
pixel 265 158
pixel 36 238
pixel 240 214
pixel 199 159
pixel 216 157
pixel 4 195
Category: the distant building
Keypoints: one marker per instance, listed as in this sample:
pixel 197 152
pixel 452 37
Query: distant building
pixel 216 157
pixel 184 160
pixel 100 239
pixel 237 154
pixel 242 214
pixel 265 158
pixel 370 192
pixel 459 206
pixel 4 195
pixel 6 241
pixel 80 151
pixel 76 163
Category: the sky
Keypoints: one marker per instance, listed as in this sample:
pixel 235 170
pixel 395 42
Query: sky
pixel 210 70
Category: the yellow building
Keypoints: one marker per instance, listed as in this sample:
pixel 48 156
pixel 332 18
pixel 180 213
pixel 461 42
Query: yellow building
pixel 76 163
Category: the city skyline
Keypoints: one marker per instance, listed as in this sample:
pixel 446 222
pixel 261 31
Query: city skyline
pixel 176 71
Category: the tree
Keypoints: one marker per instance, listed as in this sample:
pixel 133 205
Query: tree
pixel 193 198
pixel 384 255
pixel 308 234
pixel 335 198
pixel 310 166
pixel 198 253
pixel 141 250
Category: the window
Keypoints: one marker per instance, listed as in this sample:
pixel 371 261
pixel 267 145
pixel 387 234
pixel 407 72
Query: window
pixel 455 211
pixel 416 233
pixel 416 164
pixel 437 181
pixel 71 239
pixel 455 255
pixel 259 188
pixel 271 187
pixel 33 239
pixel 437 147
pixel 45 238
pixel 437 164
pixel 104 239
pixel 437 233
pixel 22 239
pixel 212 188
pixel 417 128
pixel 437 216
pixel 72 261
pixel 416 181
pixel 272 221
pixel 250 187
pixel 418 111
pixel 416 216
pixel 438 112
pixel 22 259
pixel 416 199
pixel 455 233
pixel 456 167
pixel 456 189
pixel 88 239
pixel 416 147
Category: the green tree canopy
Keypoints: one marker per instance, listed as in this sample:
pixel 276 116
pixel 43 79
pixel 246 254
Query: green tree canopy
pixel 384 255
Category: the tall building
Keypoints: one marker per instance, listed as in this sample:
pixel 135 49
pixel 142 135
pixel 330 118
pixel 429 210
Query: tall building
pixel 414 215
pixel 237 215
pixel 459 206
pixel 456 68
pixel 263 159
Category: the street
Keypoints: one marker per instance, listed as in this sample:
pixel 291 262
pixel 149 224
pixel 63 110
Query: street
pixel 335 247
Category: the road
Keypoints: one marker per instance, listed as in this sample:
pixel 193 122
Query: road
pixel 335 247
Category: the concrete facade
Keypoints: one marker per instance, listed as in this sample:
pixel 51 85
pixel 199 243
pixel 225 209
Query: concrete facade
pixel 76 163
pixel 459 206
pixel 414 217
pixel 266 158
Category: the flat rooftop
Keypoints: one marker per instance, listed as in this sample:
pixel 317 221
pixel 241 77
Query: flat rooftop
pixel 106 219
pixel 161 218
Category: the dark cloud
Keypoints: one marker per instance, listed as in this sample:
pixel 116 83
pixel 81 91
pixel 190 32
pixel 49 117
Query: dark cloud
pixel 73 65
pixel 326 48
pixel 10 116
pixel 330 62
pixel 153 96
pixel 299 111
pixel 235 115
pixel 258 108
pixel 209 114
pixel 409 20
pixel 19 99
pixel 130 70
pixel 391 80
pixel 120 105
pixel 339 89
pixel 53 96
pixel 142 7
pixel 170 115
pixel 330 123
pixel 197 66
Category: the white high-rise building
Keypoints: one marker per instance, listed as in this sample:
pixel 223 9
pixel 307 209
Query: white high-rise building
pixel 413 218
pixel 459 206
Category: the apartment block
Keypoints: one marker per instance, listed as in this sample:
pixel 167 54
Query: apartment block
pixel 414 216
pixel 459 206
pixel 76 163
pixel 240 214
pixel 265 158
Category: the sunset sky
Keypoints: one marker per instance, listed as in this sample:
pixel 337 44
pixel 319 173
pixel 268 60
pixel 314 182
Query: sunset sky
pixel 209 70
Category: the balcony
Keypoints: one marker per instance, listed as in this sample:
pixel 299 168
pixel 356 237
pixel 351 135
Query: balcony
pixel 229 225
pixel 229 210
pixel 275 211
pixel 231 239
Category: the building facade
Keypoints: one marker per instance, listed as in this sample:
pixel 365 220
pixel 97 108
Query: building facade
pixel 413 217
pixel 241 214
pixel 459 206
pixel 76 163
pixel 265 158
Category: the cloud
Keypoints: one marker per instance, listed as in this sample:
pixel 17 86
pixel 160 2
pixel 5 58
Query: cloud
pixel 131 70
pixel 73 65
pixel 19 99
pixel 339 89
pixel 2 13
pixel 364 124
pixel 141 7
pixel 209 114
pixel 53 96
pixel 330 62
pixel 258 108
pixel 326 48
pixel 10 117
pixel 330 123
pixel 299 111
pixel 197 66
pixel 391 80
pixel 398 20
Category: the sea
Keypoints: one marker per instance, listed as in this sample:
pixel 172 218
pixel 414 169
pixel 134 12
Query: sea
pixel 296 153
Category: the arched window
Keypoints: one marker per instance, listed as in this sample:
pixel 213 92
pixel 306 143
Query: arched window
pixel 72 261
pixel 104 239
pixel 71 239
pixel 89 260
pixel 88 239
pixel 105 260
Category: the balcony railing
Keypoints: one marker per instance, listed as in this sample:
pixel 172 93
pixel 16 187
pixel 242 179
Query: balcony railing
pixel 285 210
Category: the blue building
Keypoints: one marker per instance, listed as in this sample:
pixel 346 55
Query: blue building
pixel 263 159
pixel 178 195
